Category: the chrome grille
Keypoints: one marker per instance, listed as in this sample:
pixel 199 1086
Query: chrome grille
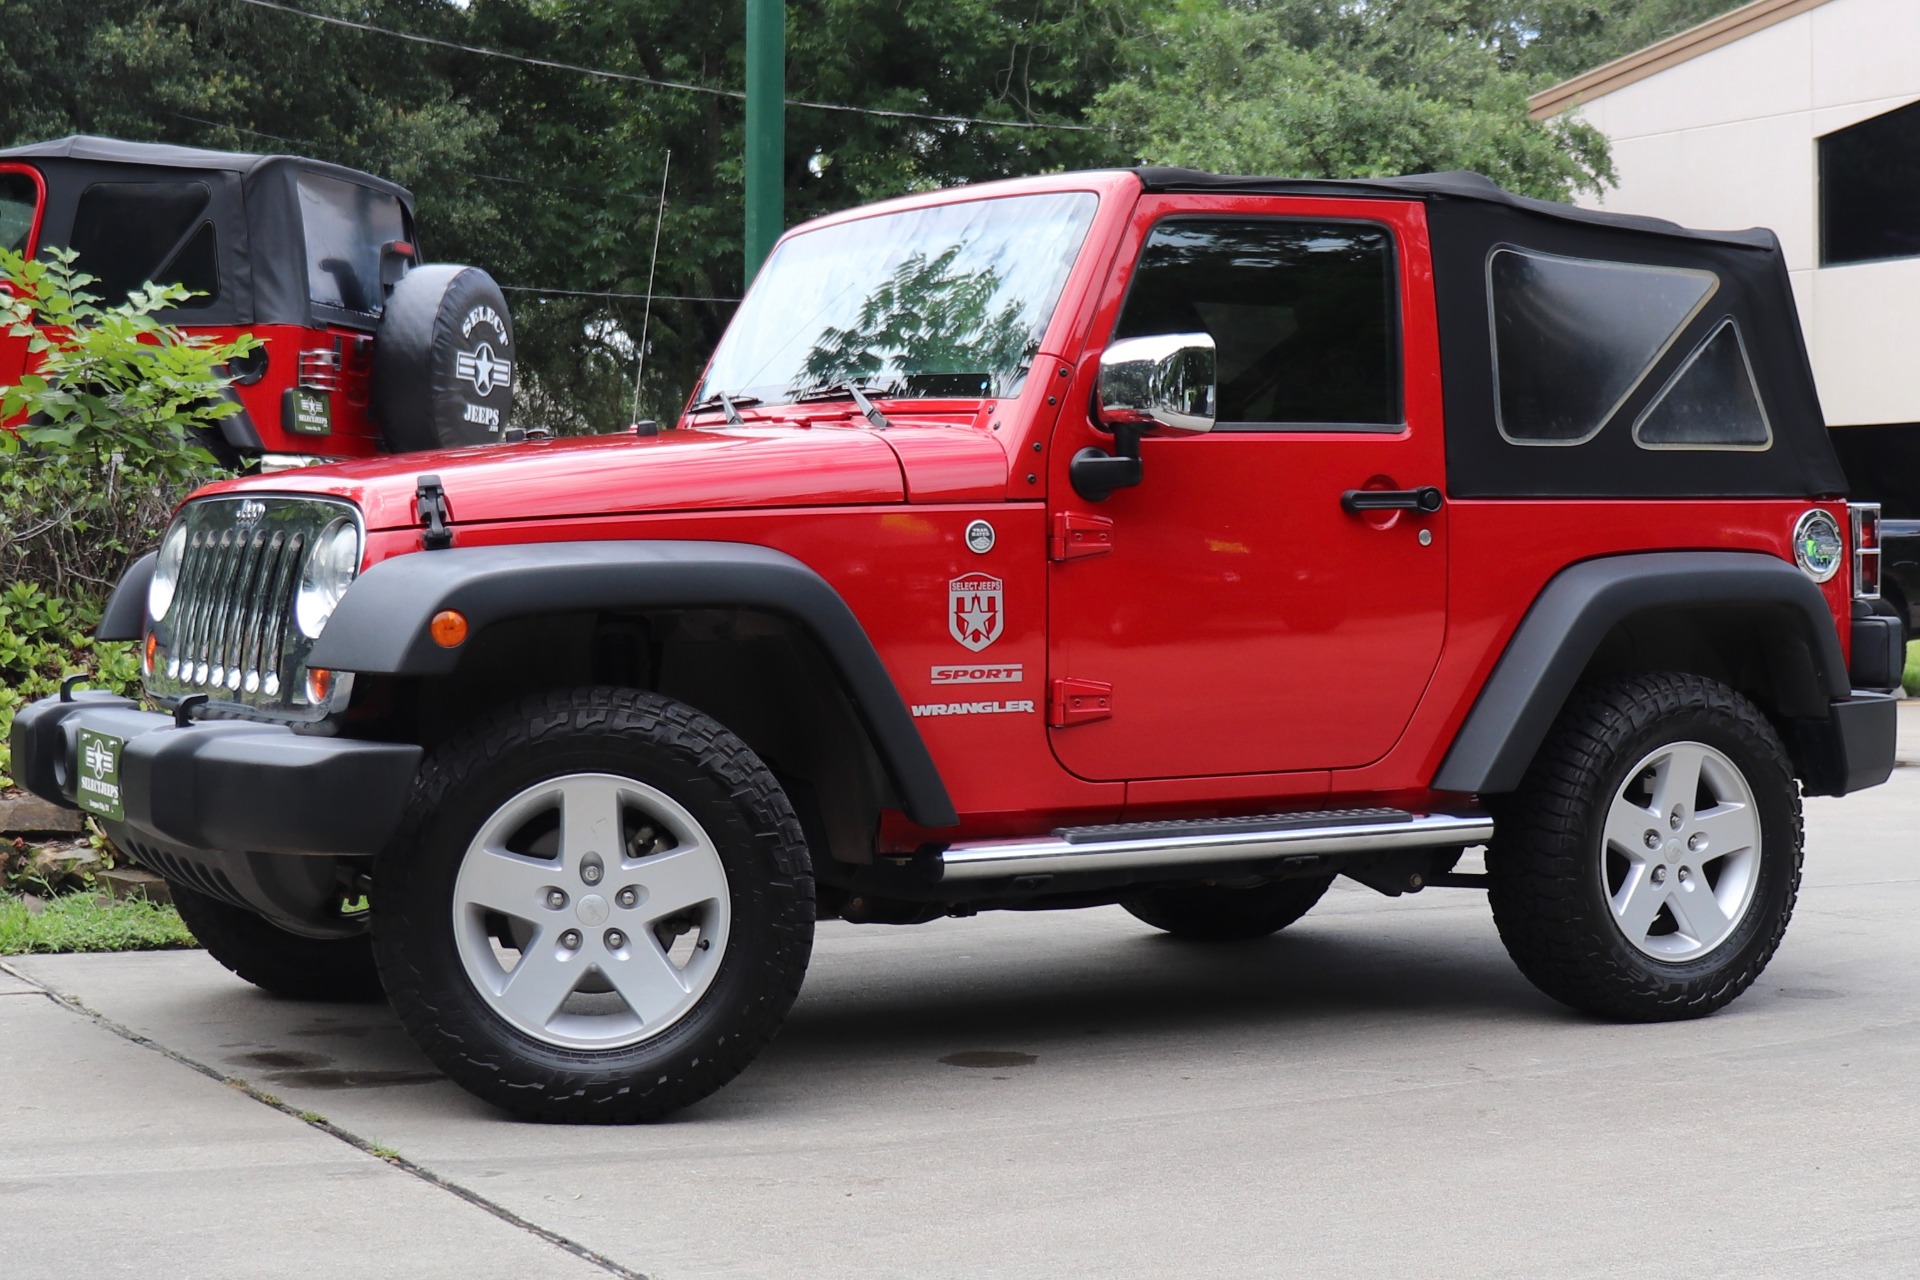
pixel 238 589
pixel 230 631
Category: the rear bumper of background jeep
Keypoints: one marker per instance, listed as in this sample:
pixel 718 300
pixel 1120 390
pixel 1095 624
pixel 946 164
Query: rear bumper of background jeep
pixel 222 784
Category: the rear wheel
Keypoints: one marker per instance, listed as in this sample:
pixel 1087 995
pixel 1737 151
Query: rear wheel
pixel 1648 866
pixel 1215 913
pixel 274 960
pixel 599 910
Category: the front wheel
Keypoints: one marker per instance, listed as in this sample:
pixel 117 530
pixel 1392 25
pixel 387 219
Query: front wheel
pixel 599 910
pixel 1648 865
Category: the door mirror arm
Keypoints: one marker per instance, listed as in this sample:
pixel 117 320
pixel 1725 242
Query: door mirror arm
pixel 1160 383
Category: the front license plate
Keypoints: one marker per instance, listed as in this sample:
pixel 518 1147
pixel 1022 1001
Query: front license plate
pixel 98 788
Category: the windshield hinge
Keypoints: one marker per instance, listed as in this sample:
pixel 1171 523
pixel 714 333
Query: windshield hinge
pixel 1077 534
pixel 430 500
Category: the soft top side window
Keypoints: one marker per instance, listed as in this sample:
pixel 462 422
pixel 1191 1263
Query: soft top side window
pixel 1711 401
pixel 19 201
pixel 130 233
pixel 1574 337
pixel 1304 315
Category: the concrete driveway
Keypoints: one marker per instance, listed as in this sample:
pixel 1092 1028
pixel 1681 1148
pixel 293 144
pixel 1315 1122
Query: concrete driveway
pixel 1374 1092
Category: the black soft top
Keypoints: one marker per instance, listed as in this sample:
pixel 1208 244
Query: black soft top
pixel 1506 350
pixel 254 205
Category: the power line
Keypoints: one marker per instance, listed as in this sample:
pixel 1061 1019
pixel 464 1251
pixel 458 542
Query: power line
pixel 682 85
pixel 592 293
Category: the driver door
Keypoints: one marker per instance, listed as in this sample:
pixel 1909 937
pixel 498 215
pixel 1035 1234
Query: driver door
pixel 1233 616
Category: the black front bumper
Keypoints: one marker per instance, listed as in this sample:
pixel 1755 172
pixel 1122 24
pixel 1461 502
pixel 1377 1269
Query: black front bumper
pixel 224 785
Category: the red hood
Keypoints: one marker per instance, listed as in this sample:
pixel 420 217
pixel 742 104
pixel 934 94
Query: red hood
pixel 683 470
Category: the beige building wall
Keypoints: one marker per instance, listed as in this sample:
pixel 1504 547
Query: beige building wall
pixel 1727 138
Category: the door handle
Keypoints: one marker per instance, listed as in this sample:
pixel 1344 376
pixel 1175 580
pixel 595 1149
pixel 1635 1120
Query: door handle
pixel 1426 500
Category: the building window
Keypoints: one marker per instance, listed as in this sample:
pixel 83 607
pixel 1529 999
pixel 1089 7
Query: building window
pixel 1870 189
pixel 1574 337
pixel 1303 315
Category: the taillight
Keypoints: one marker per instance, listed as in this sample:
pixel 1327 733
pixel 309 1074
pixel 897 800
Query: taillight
pixel 1866 549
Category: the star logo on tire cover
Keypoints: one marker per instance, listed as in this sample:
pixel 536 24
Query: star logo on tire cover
pixel 483 369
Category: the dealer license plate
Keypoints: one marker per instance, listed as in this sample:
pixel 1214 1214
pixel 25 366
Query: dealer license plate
pixel 98 788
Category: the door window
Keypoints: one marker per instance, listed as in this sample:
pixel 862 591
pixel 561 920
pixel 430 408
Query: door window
pixel 19 199
pixel 1302 314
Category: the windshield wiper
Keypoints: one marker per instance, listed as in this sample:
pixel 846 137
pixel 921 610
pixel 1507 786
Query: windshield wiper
pixel 721 400
pixel 852 389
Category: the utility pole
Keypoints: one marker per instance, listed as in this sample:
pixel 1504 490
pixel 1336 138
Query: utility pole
pixel 766 128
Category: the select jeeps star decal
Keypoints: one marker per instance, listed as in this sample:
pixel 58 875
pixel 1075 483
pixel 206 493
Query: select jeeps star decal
pixel 482 368
pixel 973 610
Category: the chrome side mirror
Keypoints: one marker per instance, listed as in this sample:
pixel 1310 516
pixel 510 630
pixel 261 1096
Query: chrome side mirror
pixel 1161 382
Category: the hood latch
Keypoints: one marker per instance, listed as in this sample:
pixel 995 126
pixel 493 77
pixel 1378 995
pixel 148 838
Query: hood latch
pixel 430 501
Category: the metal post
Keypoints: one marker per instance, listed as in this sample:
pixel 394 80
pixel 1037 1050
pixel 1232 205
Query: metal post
pixel 766 128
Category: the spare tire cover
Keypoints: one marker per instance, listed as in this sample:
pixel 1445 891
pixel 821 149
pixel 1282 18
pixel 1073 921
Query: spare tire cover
pixel 443 360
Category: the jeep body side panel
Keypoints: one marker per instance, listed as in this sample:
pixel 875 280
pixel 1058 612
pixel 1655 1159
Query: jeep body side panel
pixel 1563 630
pixel 381 626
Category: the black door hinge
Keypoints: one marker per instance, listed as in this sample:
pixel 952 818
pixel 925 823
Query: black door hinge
pixel 431 501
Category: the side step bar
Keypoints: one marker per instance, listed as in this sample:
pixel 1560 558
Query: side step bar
pixel 1153 845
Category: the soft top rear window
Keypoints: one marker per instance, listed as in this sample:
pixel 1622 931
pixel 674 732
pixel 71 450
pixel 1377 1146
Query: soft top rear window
pixel 346 226
pixel 1574 337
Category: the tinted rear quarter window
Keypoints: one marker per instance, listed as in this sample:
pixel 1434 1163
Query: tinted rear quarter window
pixel 1302 314
pixel 1574 337
pixel 128 234
pixel 346 225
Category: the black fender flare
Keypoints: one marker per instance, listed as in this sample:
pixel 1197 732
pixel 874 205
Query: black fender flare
pixel 1573 613
pixel 125 617
pixel 381 624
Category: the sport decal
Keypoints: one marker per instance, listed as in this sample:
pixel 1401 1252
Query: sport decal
pixel 973 610
pixel 1007 673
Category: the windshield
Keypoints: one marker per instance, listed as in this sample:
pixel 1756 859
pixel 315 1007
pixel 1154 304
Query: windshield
pixel 947 301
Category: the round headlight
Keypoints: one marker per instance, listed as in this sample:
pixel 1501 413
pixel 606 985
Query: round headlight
pixel 1818 547
pixel 166 572
pixel 329 571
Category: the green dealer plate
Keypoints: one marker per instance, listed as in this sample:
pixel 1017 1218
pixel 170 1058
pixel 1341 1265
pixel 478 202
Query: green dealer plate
pixel 98 787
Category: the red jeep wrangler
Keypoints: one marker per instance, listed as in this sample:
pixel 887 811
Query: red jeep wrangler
pixel 1146 537
pixel 361 352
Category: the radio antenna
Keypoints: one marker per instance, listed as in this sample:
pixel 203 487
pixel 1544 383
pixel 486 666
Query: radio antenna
pixel 646 316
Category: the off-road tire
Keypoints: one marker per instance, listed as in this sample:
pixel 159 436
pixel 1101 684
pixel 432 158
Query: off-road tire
pixel 1213 913
pixel 274 960
pixel 666 745
pixel 1546 869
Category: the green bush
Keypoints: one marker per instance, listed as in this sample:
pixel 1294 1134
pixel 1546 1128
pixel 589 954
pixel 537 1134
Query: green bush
pixel 109 416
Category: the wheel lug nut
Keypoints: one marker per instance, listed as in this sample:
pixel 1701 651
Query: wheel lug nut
pixel 570 939
pixel 1659 875
pixel 1696 842
pixel 1675 818
pixel 591 873
pixel 615 939
pixel 1682 875
pixel 1653 839
pixel 556 898
pixel 626 897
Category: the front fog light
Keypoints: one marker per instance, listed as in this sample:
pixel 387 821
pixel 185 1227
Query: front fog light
pixel 166 571
pixel 329 571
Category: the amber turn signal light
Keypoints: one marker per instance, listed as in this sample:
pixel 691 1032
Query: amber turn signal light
pixel 448 628
pixel 319 685
pixel 153 647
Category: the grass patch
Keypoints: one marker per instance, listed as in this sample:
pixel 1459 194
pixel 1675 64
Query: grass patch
pixel 82 922
pixel 1911 678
